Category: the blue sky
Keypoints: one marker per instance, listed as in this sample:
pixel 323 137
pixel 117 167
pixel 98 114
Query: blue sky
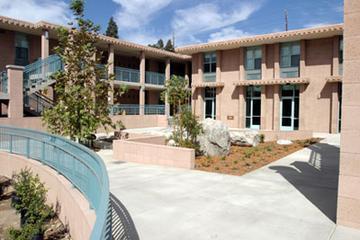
pixel 191 21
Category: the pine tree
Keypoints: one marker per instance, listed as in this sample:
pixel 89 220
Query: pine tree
pixel 112 29
pixel 81 105
pixel 169 46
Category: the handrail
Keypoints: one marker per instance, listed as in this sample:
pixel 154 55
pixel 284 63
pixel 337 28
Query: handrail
pixel 82 167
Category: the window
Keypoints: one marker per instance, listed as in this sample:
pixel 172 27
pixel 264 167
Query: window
pixel 341 58
pixel 289 107
pixel 210 67
pixel 253 63
pixel 210 62
pixel 21 49
pixel 210 103
pixel 290 59
pixel 253 107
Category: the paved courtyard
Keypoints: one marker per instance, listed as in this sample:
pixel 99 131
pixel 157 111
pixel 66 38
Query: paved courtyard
pixel 293 198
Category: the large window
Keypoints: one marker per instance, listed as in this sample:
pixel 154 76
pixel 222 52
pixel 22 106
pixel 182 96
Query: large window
pixel 289 59
pixel 341 58
pixel 210 67
pixel 289 107
pixel 21 50
pixel 253 107
pixel 253 63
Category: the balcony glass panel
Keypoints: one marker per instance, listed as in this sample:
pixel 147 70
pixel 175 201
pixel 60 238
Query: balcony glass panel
pixel 155 78
pixel 127 74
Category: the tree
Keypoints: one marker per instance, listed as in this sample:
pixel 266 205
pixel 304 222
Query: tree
pixel 81 105
pixel 112 29
pixel 169 46
pixel 159 44
pixel 177 92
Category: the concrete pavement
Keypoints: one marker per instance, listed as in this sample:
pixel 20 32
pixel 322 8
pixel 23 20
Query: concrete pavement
pixel 293 198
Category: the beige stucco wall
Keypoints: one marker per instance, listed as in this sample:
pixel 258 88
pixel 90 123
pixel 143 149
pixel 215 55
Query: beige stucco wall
pixel 348 212
pixel 318 99
pixel 74 208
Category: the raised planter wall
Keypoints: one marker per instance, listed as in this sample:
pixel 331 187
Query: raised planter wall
pixel 288 135
pixel 151 150
pixel 74 208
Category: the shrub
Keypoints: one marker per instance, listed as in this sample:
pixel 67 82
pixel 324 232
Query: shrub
pixel 262 138
pixel 30 203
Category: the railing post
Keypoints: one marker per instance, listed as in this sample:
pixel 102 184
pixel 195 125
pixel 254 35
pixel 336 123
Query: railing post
pixel 42 152
pixel 10 144
pixel 28 147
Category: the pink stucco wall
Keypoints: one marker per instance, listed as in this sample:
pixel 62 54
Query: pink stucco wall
pixel 348 212
pixel 151 150
pixel 74 208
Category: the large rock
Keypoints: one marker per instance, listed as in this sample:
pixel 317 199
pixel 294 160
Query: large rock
pixel 244 137
pixel 215 140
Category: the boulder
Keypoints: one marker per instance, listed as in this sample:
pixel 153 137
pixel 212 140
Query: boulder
pixel 215 139
pixel 245 138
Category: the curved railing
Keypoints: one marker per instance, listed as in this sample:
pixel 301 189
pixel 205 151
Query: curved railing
pixel 82 167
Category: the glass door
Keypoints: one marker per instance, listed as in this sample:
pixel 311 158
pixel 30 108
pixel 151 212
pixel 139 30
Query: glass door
pixel 210 103
pixel 289 109
pixel 253 107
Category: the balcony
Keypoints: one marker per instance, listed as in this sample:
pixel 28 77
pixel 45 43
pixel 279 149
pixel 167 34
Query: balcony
pixel 154 78
pixel 154 109
pixel 209 77
pixel 127 74
pixel 253 74
pixel 289 72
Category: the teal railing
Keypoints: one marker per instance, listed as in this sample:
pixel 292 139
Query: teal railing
pixel 127 109
pixel 4 82
pixel 127 74
pixel 154 78
pixel 39 72
pixel 154 109
pixel 82 167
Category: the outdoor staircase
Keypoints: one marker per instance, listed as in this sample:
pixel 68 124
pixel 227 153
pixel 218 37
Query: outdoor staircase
pixel 37 77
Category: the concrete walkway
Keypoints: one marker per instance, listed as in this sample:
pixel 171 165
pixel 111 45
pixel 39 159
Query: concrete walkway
pixel 293 198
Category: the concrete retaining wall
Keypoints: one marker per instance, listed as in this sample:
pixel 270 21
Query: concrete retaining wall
pixel 289 135
pixel 151 150
pixel 74 208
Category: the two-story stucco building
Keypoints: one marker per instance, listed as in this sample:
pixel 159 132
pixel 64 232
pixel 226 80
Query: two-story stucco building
pixel 278 82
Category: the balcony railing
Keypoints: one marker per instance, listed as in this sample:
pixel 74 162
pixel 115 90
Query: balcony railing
pixel 289 72
pixel 82 167
pixel 154 78
pixel 253 74
pixel 39 72
pixel 209 77
pixel 134 109
pixel 154 110
pixel 4 82
pixel 127 74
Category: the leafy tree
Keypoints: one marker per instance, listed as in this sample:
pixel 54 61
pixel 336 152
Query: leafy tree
pixel 159 44
pixel 169 46
pixel 112 29
pixel 81 105
pixel 186 127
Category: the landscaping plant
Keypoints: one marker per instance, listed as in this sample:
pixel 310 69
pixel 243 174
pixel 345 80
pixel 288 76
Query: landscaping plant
pixel 30 203
pixel 81 105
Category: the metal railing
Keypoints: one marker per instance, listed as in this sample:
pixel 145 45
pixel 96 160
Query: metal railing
pixel 154 78
pixel 36 103
pixel 82 167
pixel 127 74
pixel 154 109
pixel 209 77
pixel 4 82
pixel 289 72
pixel 38 73
pixel 126 109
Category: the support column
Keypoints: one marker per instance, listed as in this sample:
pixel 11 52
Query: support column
pixel 187 71
pixel 15 90
pixel 200 67
pixel 218 66
pixel 44 44
pixel 111 72
pixel 334 108
pixel 348 210
pixel 241 66
pixel 167 78
pixel 263 108
pixel 276 60
pixel 263 61
pixel 218 103
pixel 335 59
pixel 242 112
pixel 303 109
pixel 302 58
pixel 142 83
pixel 276 113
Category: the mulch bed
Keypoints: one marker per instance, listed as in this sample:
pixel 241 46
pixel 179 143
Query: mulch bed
pixel 242 160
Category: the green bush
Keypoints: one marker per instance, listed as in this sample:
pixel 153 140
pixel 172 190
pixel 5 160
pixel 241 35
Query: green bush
pixel 30 203
pixel 262 138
